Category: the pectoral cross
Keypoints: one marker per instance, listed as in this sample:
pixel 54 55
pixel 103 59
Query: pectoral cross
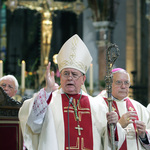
pixel 127 129
pixel 79 129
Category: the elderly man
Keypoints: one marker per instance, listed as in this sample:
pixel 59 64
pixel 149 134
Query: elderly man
pixel 10 85
pixel 67 118
pixel 133 116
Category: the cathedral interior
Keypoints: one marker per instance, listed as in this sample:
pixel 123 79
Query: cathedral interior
pixel 33 31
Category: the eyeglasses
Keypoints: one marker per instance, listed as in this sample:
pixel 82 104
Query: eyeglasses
pixel 119 83
pixel 74 75
pixel 3 85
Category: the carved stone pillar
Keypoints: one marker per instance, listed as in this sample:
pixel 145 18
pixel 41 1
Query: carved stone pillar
pixel 148 17
pixel 149 69
pixel 103 35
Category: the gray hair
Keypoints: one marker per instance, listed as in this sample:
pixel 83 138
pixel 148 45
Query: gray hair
pixel 119 70
pixel 12 78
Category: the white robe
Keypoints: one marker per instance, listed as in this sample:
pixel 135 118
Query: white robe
pixel 37 141
pixel 148 107
pixel 52 135
pixel 143 115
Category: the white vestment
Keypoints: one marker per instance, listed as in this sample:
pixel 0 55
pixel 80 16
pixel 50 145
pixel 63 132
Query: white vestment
pixel 148 107
pixel 51 134
pixel 129 131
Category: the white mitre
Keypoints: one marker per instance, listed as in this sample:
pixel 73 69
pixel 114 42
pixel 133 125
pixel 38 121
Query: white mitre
pixel 74 54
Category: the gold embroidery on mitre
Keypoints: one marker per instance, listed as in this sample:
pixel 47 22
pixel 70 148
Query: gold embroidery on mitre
pixel 72 58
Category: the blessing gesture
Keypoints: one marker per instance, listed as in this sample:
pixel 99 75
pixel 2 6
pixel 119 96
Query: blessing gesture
pixel 50 80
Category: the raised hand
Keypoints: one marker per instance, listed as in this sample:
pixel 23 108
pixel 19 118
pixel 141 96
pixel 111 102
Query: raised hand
pixel 50 80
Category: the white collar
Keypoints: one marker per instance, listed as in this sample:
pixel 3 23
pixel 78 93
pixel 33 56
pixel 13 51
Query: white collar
pixel 115 99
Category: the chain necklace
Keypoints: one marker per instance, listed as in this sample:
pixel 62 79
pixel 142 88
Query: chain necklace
pixel 75 107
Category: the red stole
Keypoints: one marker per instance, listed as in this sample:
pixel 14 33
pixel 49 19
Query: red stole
pixel 49 99
pixel 129 107
pixel 85 140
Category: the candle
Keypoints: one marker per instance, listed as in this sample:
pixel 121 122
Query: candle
pixel 91 77
pixel 23 65
pixel 1 68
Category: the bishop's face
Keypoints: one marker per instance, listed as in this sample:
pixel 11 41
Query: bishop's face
pixel 120 85
pixel 71 80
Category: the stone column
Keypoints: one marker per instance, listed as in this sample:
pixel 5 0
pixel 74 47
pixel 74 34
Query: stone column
pixel 103 35
pixel 149 68
pixel 148 17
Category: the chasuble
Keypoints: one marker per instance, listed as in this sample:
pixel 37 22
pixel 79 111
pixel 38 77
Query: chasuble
pixel 80 124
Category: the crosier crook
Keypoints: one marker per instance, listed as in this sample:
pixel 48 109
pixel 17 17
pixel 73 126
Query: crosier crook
pixel 112 54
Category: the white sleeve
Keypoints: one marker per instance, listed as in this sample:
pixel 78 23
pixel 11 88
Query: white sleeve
pixel 35 120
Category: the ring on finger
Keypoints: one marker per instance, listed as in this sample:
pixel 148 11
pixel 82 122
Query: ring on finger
pixel 128 119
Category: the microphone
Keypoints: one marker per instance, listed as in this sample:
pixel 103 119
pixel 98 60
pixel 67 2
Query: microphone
pixel 70 101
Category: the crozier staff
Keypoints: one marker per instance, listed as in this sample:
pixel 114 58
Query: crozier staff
pixel 67 118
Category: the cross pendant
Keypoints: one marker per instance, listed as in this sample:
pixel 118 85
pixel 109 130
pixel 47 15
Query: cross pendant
pixel 79 129
pixel 127 129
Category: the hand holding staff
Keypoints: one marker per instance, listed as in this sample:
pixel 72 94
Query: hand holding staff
pixel 111 56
